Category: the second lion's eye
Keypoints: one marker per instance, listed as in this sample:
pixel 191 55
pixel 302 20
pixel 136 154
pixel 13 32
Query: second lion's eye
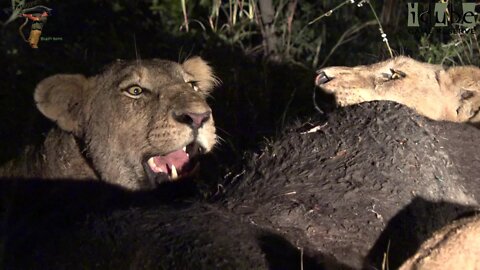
pixel 194 85
pixel 396 74
pixel 134 91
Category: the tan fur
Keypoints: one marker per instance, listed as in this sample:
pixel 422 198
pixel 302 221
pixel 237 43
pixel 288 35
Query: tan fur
pixel 452 94
pixel 105 134
pixel 59 94
pixel 200 71
pixel 457 246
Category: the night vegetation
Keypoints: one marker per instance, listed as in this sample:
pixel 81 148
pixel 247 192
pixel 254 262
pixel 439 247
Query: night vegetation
pixel 265 53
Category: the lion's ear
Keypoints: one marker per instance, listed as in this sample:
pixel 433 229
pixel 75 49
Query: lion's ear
pixel 59 98
pixel 201 72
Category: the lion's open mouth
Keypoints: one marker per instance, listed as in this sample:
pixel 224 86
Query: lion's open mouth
pixel 174 165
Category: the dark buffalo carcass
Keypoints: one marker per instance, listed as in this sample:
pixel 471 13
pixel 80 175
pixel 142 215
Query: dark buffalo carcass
pixel 93 225
pixel 364 188
pixel 371 184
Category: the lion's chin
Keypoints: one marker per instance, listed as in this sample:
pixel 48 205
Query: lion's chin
pixel 173 166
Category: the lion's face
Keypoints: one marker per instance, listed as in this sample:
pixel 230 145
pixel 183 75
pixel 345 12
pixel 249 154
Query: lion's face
pixel 142 122
pixel 439 94
pixel 388 80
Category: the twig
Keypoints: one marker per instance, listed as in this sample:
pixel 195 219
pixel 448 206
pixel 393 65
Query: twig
pixel 185 17
pixel 476 42
pixel 301 258
pixel 330 12
pixel 291 8
pixel 384 36
pixel 314 129
pixel 344 38
pixel 385 263
pixel 314 99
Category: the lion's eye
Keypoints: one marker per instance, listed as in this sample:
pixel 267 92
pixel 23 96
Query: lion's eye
pixel 194 85
pixel 396 74
pixel 134 91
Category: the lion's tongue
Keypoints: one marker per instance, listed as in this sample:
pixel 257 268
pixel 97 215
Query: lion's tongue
pixel 170 164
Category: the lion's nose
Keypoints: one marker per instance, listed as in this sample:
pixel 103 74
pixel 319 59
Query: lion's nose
pixel 194 120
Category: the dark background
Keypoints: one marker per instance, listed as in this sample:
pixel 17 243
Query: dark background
pixel 266 63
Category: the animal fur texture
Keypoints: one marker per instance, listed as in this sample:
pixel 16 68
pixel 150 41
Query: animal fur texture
pixel 375 179
pixel 449 94
pixel 130 125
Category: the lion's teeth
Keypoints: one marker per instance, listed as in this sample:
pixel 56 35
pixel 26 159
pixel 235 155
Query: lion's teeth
pixel 154 167
pixel 151 163
pixel 174 172
pixel 184 149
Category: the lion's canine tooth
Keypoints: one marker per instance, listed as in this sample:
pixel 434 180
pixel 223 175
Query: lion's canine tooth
pixel 184 149
pixel 174 172
pixel 151 163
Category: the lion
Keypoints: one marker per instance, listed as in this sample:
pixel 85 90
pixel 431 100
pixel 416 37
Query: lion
pixel 456 246
pixel 451 94
pixel 137 124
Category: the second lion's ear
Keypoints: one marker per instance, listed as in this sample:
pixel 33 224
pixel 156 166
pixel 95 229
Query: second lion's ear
pixel 60 98
pixel 201 72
